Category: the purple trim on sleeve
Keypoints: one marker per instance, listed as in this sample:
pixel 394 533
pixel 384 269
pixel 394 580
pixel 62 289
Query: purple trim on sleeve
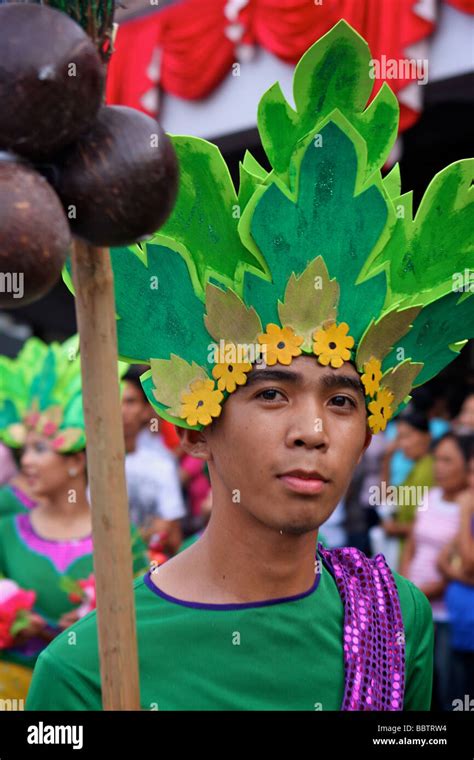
pixel 23 498
pixel 238 606
pixel 60 553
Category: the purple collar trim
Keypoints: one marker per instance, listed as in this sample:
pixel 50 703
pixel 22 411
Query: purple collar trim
pixel 60 553
pixel 238 606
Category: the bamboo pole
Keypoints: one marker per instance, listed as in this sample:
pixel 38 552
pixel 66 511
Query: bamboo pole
pixel 95 312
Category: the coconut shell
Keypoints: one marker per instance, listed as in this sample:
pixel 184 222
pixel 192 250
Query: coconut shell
pixel 34 235
pixel 51 80
pixel 119 181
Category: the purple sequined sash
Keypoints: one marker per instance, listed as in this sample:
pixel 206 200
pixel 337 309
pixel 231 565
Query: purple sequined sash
pixel 374 637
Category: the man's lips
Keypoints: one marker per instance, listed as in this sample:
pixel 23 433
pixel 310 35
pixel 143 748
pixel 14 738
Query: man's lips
pixel 304 481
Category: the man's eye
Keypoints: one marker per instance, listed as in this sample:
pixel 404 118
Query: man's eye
pixel 339 400
pixel 269 394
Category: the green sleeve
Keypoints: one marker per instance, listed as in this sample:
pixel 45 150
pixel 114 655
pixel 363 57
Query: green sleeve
pixel 419 670
pixel 55 686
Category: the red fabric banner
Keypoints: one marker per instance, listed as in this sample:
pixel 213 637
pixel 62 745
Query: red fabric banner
pixel 188 49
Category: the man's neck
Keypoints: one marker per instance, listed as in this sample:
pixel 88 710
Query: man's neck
pixel 240 560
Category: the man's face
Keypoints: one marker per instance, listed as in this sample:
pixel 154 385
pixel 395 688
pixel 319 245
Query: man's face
pixel 134 409
pixel 286 444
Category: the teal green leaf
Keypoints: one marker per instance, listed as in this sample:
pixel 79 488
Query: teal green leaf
pixel 203 223
pixel 447 321
pixel 345 218
pixel 333 74
pixel 157 306
pixel 424 253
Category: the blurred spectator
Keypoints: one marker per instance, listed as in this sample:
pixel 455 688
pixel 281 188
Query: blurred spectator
pixel 360 512
pixel 432 402
pixel 464 422
pixel 194 479
pixel 436 524
pixel 413 439
pixel 154 494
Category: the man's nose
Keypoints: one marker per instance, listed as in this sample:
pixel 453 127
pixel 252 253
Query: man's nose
pixel 308 427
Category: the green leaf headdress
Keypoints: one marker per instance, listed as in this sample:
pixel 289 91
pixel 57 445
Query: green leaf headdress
pixel 40 391
pixel 320 256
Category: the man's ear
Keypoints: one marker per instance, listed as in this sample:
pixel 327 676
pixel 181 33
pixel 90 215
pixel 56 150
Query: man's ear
pixel 194 442
pixel 367 440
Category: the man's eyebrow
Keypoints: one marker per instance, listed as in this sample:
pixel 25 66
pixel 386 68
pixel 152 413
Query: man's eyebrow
pixel 342 381
pixel 272 374
pixel 328 381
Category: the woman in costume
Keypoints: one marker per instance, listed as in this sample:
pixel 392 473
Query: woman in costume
pixel 15 493
pixel 47 550
pixel 290 323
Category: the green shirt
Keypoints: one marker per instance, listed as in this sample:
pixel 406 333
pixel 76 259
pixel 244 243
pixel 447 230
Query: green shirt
pixel 282 654
pixel 10 504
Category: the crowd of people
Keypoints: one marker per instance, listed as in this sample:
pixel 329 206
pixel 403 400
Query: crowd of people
pixel 411 498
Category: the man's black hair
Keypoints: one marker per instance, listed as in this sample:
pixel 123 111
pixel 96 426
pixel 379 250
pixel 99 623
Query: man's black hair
pixel 132 375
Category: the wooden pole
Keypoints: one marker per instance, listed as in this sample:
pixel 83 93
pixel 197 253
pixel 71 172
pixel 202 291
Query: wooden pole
pixel 95 312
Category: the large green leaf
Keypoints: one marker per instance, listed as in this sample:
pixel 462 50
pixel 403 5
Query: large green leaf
pixel 203 223
pixel 159 312
pixel 333 213
pixel 333 74
pixel 432 338
pixel 425 252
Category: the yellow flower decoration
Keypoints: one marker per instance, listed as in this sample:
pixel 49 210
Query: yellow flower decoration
pixel 381 410
pixel 281 344
pixel 331 345
pixel 231 374
pixel 372 375
pixel 202 403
